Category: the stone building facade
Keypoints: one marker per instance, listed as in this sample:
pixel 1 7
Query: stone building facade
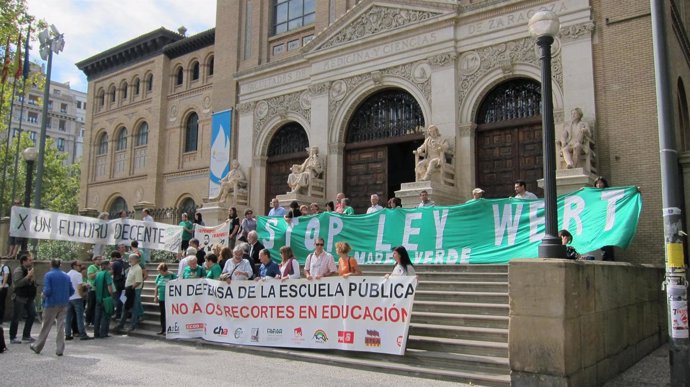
pixel 361 79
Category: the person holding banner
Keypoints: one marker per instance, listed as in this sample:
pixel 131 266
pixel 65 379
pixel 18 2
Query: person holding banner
pixel 320 263
pixel 193 270
pixel 248 224
pixel 268 268
pixel 289 267
pixel 403 264
pixel 234 221
pixel 187 231
pixel 162 279
pixel 347 265
pixel 237 268
pixel 213 269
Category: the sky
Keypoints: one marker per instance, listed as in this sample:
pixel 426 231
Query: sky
pixel 93 26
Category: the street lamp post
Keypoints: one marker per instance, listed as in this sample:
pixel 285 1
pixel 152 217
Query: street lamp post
pixel 29 155
pixel 544 25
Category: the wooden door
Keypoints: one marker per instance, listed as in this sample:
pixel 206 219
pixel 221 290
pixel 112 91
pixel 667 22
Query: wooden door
pixel 365 173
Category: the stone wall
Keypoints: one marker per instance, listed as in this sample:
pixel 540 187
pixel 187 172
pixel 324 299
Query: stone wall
pixel 579 323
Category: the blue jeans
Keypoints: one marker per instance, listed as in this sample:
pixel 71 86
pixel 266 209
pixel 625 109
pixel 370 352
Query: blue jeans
pixel 101 322
pixel 137 309
pixel 76 305
pixel 20 307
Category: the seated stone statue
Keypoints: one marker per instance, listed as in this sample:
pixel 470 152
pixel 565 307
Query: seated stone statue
pixel 573 138
pixel 303 175
pixel 431 155
pixel 233 182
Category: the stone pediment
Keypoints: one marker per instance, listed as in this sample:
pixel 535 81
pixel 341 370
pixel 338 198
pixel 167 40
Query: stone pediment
pixel 375 18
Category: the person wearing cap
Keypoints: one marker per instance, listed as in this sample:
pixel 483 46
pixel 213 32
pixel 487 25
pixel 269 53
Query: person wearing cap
pixel 477 193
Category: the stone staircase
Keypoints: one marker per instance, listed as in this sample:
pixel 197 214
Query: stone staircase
pixel 458 331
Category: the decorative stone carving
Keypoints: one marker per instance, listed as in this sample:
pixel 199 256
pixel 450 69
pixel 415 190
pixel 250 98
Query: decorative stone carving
pixel 246 107
pixel 576 142
pixel 431 158
pixel 319 88
pixel 336 148
pixel 173 113
pixel 377 77
pixel 421 72
pixel 305 100
pixel 232 185
pixel 469 63
pixel 501 54
pixel 375 21
pixel 206 102
pixel 576 31
pixel 261 109
pixel 280 106
pixel 338 90
pixel 442 60
pixel 304 178
pixel 404 71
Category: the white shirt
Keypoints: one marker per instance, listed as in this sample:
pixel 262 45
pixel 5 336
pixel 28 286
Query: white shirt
pixel 526 195
pixel 398 270
pixel 320 265
pixel 77 280
pixel 295 269
pixel 374 209
pixel 243 266
pixel 5 270
pixel 148 218
pixel 184 262
pixel 427 204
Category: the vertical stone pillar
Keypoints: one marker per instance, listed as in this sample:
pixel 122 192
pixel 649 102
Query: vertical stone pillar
pixel 4 235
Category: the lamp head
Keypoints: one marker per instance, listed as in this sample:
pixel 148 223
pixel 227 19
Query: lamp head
pixel 29 154
pixel 544 23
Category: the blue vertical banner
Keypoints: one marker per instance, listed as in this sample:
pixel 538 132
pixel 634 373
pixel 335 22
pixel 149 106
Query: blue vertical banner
pixel 221 125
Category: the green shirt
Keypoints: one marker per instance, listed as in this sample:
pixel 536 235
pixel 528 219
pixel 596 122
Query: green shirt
pixel 214 272
pixel 91 270
pixel 101 282
pixel 186 235
pixel 190 273
pixel 161 281
pixel 348 211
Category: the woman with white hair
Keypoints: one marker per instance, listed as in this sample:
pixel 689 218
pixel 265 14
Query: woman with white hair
pixel 237 268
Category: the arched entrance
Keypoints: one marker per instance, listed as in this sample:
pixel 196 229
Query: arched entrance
pixel 288 146
pixel 381 135
pixel 509 138
pixel 118 205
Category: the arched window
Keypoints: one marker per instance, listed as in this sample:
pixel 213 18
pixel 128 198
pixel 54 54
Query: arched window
pixel 113 93
pixel 385 114
pixel 103 144
pixel 121 140
pixel 142 137
pixel 179 78
pixel 136 86
pixel 210 66
pixel 195 71
pixel 116 207
pixel 149 82
pixel 188 207
pixel 518 98
pixel 191 133
pixel 101 97
pixel 124 88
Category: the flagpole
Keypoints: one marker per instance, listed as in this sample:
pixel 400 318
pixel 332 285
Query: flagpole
pixel 7 148
pixel 19 138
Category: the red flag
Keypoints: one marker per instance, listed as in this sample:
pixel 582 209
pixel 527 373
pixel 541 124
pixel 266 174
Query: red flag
pixel 19 69
pixel 6 63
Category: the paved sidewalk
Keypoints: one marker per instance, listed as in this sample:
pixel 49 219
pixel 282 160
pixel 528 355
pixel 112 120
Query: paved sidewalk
pixel 653 370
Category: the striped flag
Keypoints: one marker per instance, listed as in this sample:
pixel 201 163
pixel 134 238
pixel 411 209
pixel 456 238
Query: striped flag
pixel 25 73
pixel 6 63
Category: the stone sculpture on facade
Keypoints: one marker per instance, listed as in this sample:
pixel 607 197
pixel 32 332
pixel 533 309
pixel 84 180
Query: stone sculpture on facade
pixel 304 176
pixel 576 142
pixel 233 184
pixel 430 158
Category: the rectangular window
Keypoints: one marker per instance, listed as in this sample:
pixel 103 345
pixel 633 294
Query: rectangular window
pixel 32 117
pixel 63 108
pixel 294 44
pixel 33 100
pixel 291 14
pixel 49 122
pixel 78 104
pixel 278 49
pixel 307 39
pixel 57 91
pixel 62 125
pixel 61 144
pixel 32 136
pixel 50 105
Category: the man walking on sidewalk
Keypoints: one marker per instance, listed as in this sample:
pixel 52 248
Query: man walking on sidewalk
pixel 24 295
pixel 57 289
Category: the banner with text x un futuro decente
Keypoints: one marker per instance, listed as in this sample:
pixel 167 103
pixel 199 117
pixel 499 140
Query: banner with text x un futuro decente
pixel 480 231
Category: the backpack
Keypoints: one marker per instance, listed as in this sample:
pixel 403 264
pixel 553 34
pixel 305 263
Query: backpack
pixel 9 274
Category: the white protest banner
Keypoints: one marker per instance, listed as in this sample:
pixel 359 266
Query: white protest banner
pixel 210 237
pixel 370 314
pixel 39 224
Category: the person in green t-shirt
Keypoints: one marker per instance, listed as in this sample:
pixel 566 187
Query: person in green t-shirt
pixel 193 270
pixel 347 210
pixel 187 231
pixel 159 291
pixel 213 269
pixel 103 285
pixel 90 278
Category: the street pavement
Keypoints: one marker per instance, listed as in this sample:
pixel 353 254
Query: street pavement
pixel 135 361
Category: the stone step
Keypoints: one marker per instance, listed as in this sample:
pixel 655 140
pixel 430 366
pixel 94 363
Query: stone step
pixel 461 308
pixel 498 335
pixel 464 286
pixel 463 368
pixel 472 320
pixel 453 296
pixel 464 346
pixel 377 268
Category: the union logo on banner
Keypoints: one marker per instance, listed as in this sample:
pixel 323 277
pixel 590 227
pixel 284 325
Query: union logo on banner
pixel 320 336
pixel 346 337
pixel 372 339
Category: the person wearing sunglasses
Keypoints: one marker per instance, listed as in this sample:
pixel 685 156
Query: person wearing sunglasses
pixel 320 263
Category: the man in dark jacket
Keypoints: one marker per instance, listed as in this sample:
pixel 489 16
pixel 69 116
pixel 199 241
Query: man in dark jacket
pixel 57 289
pixel 254 248
pixel 24 295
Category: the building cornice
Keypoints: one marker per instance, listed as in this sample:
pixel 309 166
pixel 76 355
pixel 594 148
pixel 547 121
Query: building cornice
pixel 190 44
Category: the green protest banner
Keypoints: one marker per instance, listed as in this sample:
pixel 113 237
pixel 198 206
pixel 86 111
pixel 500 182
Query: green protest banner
pixel 480 231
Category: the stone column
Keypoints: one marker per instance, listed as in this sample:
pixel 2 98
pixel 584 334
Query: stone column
pixel 4 235
pixel 335 161
pixel 257 186
pixel 465 165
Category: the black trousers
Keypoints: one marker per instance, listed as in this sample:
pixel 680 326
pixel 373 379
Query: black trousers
pixel 161 304
pixel 90 307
